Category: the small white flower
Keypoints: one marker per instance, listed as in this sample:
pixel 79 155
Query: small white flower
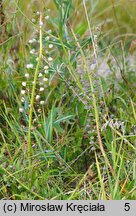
pixel 46 71
pixel 47 38
pixel 23 83
pixel 49 31
pixel 93 66
pixel 41 83
pixel 30 41
pixel 41 102
pixel 29 66
pixel 34 40
pixel 46 67
pixel 21 110
pixel 22 99
pixel 37 13
pixel 29 105
pixel 34 120
pixel 95 37
pixel 47 17
pixel 27 75
pixel 32 51
pixel 23 92
pixel 50 59
pixel 33 20
pixel 37 97
pixel 39 110
pixel 40 75
pixel 33 82
pixel 93 148
pixel 41 89
pixel 40 23
pixel 45 79
pixel 50 46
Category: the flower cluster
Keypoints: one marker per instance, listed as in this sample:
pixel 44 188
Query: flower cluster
pixel 44 73
pixel 85 70
pixel 84 95
pixel 114 123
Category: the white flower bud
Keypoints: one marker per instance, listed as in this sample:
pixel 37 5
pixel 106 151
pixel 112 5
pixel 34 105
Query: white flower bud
pixel 22 99
pixel 49 31
pixel 30 41
pixel 45 79
pixel 46 17
pixel 37 13
pixel 29 66
pixel 50 59
pixel 46 67
pixel 40 75
pixel 40 23
pixel 41 83
pixel 46 71
pixel 95 37
pixel 23 92
pixel 41 102
pixel 47 38
pixel 41 89
pixel 37 97
pixel 34 40
pixel 32 51
pixel 33 20
pixel 50 46
pixel 21 110
pixel 27 75
pixel 23 83
pixel 39 110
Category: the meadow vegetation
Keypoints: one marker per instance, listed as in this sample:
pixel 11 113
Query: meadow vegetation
pixel 67 99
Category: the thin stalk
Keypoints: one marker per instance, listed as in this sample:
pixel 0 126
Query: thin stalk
pixel 93 95
pixel 114 11
pixel 103 195
pixel 94 101
pixel 8 151
pixel 33 94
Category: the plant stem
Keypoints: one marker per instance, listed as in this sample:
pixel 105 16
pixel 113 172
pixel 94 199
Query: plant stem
pixel 92 89
pixel 33 94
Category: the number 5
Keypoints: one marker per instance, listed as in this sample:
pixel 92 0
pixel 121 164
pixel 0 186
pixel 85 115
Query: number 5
pixel 127 207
